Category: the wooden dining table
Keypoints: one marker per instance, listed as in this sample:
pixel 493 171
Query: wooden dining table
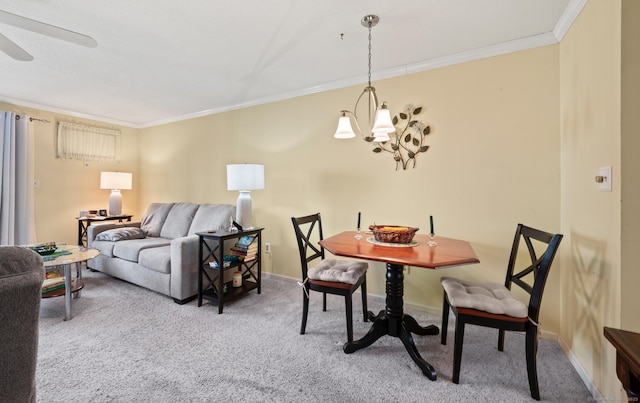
pixel 392 321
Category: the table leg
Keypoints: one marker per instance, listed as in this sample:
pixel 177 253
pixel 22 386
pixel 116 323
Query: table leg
pixel 78 277
pixel 220 277
pixel 67 291
pixel 200 271
pixel 393 322
pixel 83 228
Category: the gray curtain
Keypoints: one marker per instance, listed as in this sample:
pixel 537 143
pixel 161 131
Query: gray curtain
pixel 16 178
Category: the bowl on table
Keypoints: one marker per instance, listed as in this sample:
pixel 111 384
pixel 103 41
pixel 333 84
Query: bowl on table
pixel 393 233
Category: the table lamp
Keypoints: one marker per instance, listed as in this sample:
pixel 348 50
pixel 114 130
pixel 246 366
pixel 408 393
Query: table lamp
pixel 244 178
pixel 116 181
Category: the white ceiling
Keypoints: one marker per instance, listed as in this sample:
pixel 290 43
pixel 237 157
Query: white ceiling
pixel 164 60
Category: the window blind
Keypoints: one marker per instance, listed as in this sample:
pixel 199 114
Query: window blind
pixel 88 143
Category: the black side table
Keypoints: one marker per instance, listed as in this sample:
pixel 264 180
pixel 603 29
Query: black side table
pixel 211 251
pixel 85 222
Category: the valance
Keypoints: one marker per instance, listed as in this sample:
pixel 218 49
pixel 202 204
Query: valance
pixel 88 143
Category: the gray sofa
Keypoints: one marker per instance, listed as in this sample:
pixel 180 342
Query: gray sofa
pixel 160 252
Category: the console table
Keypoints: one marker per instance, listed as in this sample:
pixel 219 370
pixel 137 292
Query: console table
pixel 627 346
pixel 85 222
pixel 212 247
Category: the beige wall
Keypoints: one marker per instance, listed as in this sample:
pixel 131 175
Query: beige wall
pixel 494 162
pixel 68 186
pixel 590 87
pixel 516 138
pixel 630 274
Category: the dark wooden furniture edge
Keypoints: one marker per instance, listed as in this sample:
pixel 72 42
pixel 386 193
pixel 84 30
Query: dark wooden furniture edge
pixel 627 345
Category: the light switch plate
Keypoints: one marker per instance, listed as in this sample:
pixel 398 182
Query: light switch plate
pixel 605 185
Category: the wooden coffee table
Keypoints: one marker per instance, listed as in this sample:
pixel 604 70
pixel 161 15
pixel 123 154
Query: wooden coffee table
pixel 77 255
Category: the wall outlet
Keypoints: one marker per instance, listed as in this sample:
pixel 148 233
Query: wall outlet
pixel 267 247
pixel 406 270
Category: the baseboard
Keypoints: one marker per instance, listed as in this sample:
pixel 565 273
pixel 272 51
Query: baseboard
pixel 588 382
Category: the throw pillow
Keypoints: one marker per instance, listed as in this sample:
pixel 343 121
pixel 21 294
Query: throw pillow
pixel 120 234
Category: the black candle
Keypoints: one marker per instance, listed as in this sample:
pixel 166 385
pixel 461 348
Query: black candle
pixel 358 220
pixel 431 224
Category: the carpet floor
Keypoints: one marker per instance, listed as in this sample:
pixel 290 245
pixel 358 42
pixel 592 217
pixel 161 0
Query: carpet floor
pixel 129 344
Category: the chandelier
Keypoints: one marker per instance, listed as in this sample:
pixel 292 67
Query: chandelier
pixel 378 124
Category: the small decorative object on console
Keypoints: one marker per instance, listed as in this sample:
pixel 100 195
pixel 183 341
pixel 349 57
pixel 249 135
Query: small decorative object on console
pixel 393 233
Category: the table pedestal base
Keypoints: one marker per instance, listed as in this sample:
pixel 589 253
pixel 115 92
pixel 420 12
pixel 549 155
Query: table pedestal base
pixel 393 322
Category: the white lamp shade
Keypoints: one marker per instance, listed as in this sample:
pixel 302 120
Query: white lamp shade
pixel 115 180
pixel 344 131
pixel 383 123
pixel 245 177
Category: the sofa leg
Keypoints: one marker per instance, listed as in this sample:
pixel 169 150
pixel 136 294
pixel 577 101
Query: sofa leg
pixel 184 301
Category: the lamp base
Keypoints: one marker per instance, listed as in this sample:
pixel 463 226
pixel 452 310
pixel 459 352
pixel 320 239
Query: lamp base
pixel 243 209
pixel 115 202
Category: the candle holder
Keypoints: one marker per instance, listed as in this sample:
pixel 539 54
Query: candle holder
pixel 432 240
pixel 358 235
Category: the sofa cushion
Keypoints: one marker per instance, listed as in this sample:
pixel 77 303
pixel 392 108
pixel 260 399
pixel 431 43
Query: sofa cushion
pixel 129 250
pixel 157 259
pixel 178 220
pixel 212 217
pixel 154 218
pixel 119 234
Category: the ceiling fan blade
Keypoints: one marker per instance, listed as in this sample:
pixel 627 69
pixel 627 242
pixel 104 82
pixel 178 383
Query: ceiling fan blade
pixel 10 48
pixel 46 29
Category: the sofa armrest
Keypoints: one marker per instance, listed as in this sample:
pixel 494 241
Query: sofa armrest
pixel 94 230
pixel 184 267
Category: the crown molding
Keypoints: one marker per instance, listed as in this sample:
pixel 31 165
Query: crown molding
pixel 462 57
pixel 568 17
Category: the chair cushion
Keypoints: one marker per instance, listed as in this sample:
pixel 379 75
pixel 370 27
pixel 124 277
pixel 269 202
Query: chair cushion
pixel 342 271
pixel 488 297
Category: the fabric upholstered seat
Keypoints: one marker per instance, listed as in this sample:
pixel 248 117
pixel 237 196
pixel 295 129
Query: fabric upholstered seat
pixel 493 305
pixel 329 276
pixel 342 271
pixel 489 297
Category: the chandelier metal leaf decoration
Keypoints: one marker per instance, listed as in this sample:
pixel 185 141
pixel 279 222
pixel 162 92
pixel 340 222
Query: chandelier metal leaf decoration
pixel 403 136
pixel 408 141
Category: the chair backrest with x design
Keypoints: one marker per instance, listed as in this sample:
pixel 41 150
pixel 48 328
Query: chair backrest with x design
pixel 308 234
pixel 538 266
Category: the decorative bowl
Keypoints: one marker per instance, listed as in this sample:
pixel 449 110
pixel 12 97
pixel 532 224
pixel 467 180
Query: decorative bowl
pixel 393 233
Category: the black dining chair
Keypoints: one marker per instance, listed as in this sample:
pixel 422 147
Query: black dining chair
pixel 328 276
pixel 493 305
